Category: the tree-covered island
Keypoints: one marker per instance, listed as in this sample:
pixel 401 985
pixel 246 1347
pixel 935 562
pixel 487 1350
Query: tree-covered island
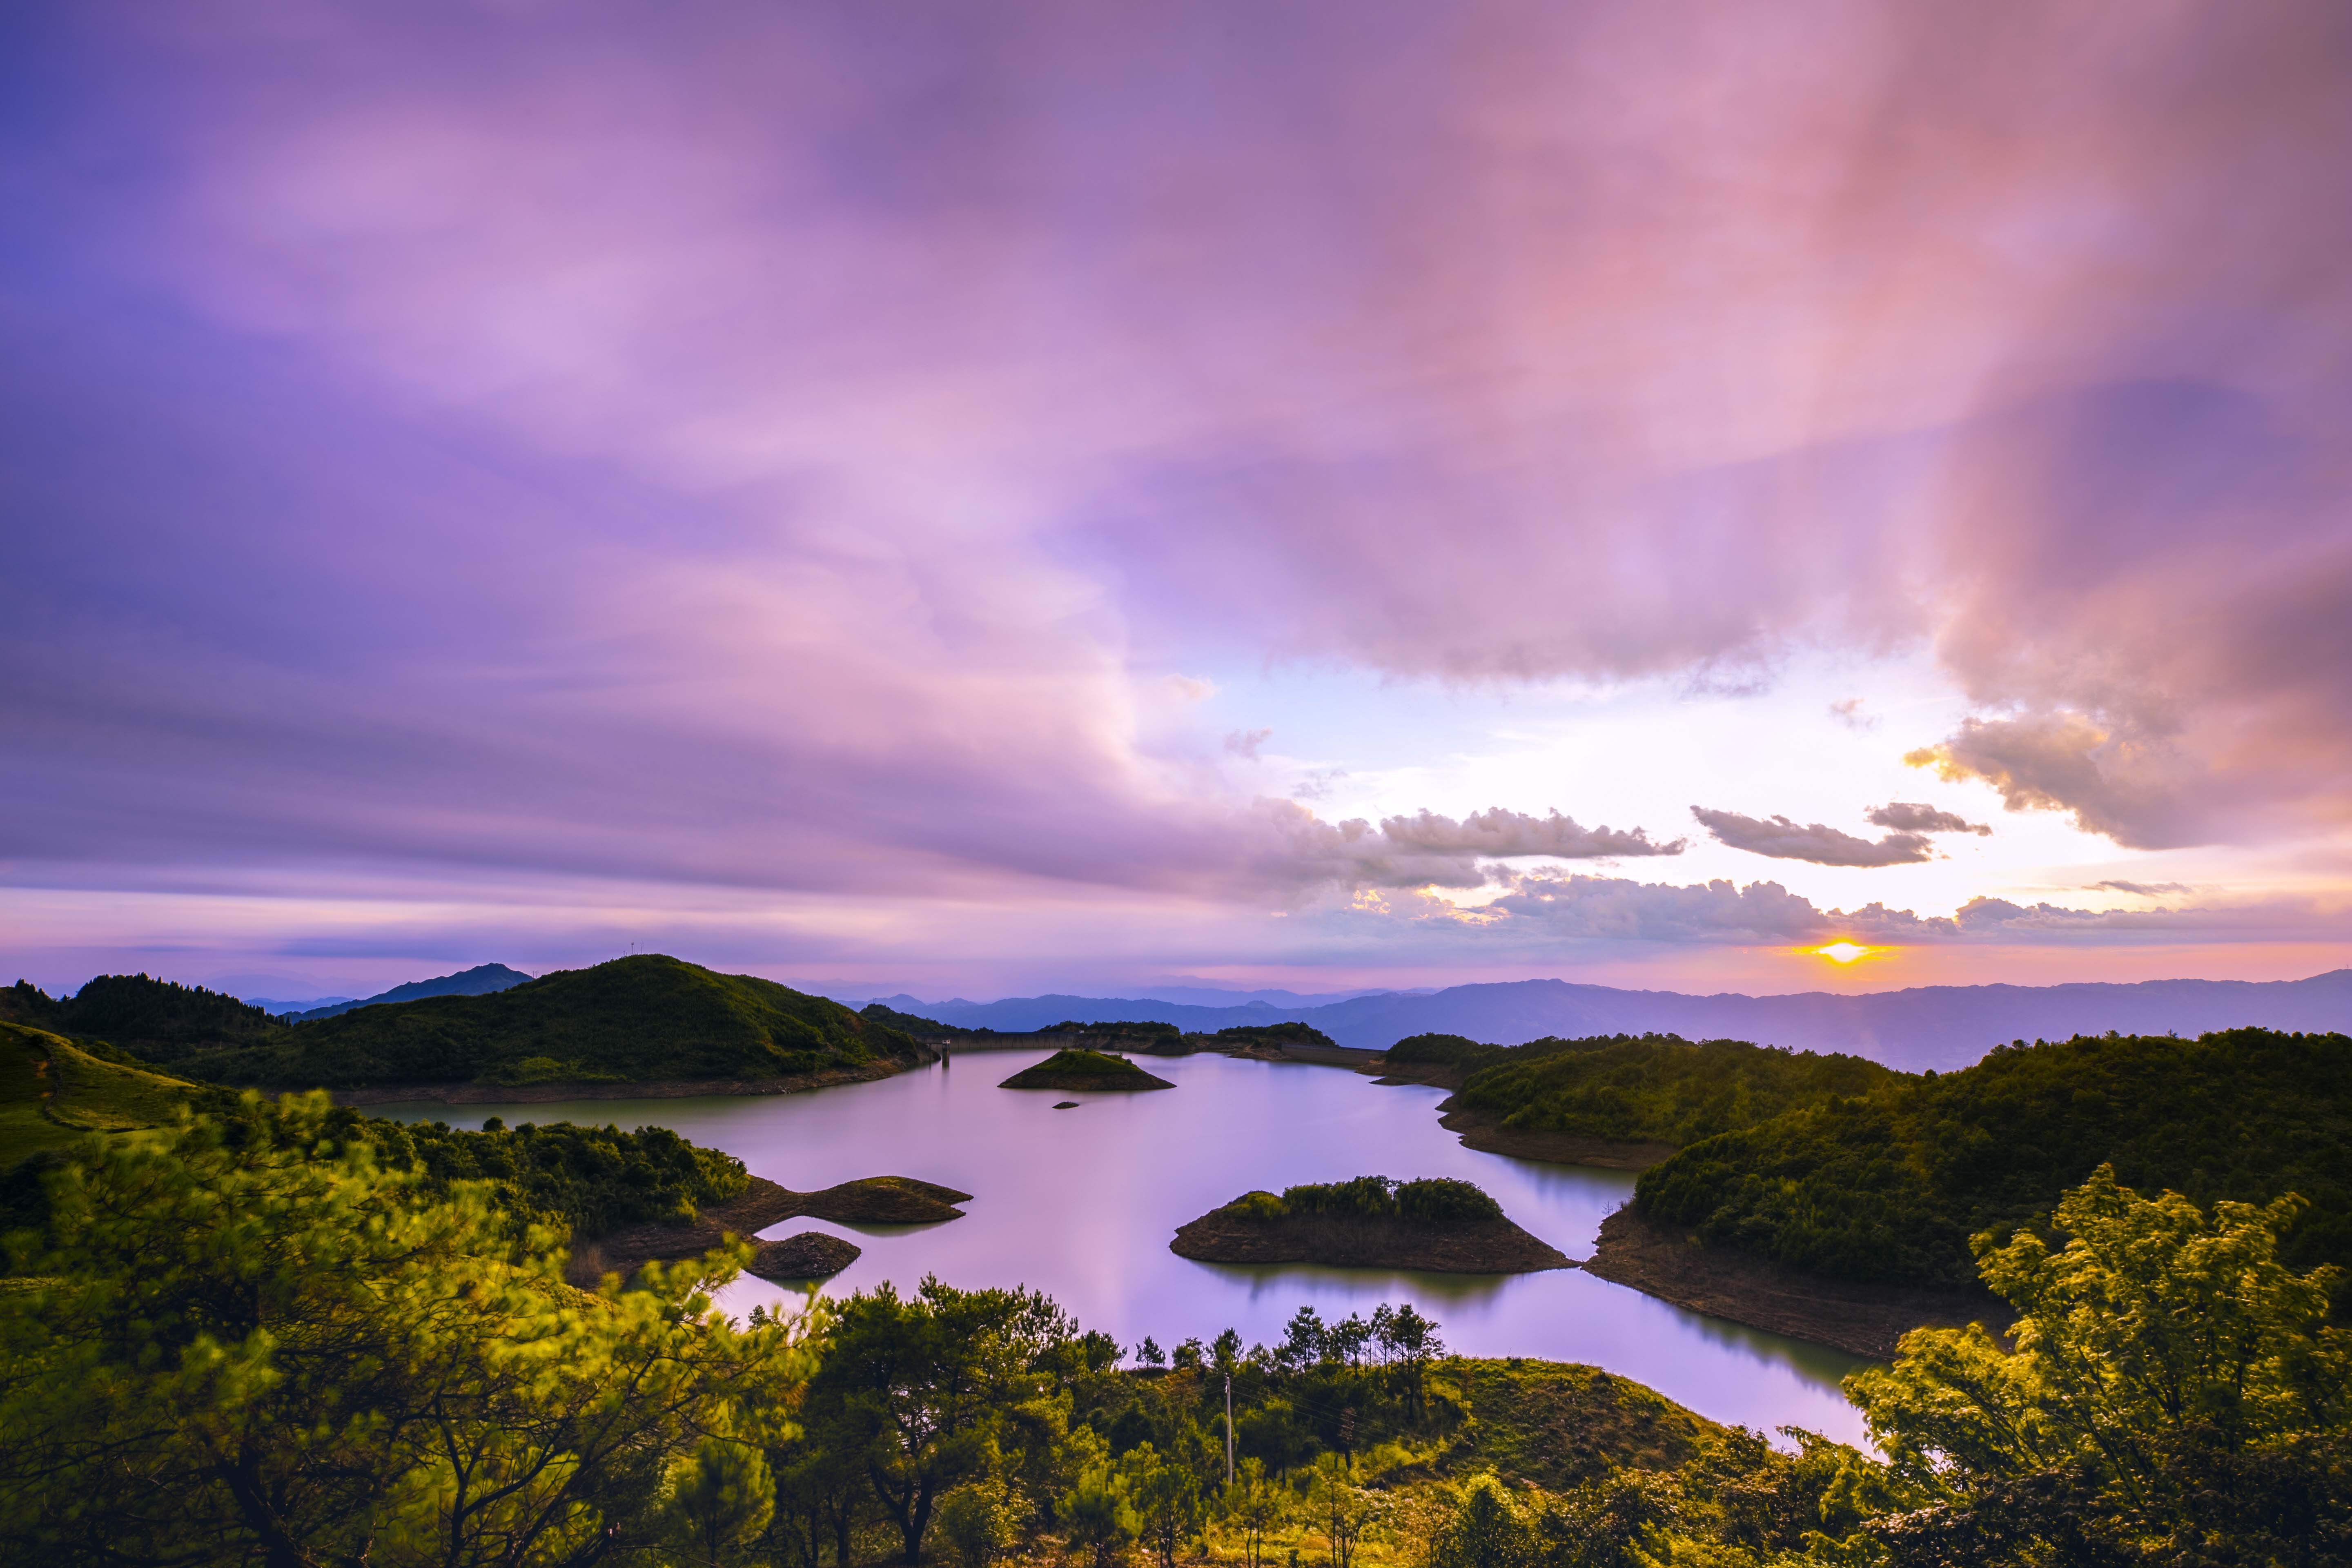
pixel 1370 1222
pixel 1079 1069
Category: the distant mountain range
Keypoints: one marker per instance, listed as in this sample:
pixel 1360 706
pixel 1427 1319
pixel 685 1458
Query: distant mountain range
pixel 482 980
pixel 278 1007
pixel 1938 1026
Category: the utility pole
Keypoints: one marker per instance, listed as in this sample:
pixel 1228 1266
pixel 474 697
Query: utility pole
pixel 1229 1430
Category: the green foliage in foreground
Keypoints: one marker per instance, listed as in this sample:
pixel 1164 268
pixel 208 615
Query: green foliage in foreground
pixel 585 1180
pixel 256 1353
pixel 1432 1199
pixel 633 1020
pixel 241 1351
pixel 2176 1395
pixel 1891 1187
pixel 1660 1089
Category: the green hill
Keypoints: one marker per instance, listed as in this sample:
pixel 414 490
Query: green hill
pixel 633 1020
pixel 1889 1187
pixel 52 1091
pixel 1649 1088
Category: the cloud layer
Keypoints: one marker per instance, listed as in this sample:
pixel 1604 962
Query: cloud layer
pixel 1424 851
pixel 1582 907
pixel 1823 845
pixel 790 449
pixel 1911 816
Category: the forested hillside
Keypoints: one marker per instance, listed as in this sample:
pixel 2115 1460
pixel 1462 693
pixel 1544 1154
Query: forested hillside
pixel 1890 1185
pixel 158 1020
pixel 1656 1088
pixel 633 1020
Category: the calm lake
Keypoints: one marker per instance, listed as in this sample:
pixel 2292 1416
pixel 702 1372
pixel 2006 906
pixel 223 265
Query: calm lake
pixel 1081 1204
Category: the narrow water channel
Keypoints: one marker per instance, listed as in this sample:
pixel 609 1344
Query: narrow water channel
pixel 1081 1204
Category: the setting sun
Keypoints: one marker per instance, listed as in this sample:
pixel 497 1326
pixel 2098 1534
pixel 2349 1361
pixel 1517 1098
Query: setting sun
pixel 1844 951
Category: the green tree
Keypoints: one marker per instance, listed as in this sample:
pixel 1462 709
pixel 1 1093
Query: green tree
pixel 978 1521
pixel 2164 1360
pixel 1342 1510
pixel 1412 1343
pixel 1097 1515
pixel 722 1499
pixel 1256 1505
pixel 1488 1530
pixel 1166 1496
pixel 1620 1521
pixel 236 1349
pixel 918 1387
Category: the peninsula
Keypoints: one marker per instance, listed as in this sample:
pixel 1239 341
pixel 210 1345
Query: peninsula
pixel 1370 1222
pixel 1084 1069
pixel 876 1200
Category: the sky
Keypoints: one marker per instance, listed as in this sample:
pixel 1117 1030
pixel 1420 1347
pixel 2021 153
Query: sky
pixel 983 499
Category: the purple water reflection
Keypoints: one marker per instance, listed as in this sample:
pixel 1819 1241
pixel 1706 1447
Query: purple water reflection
pixel 1081 1204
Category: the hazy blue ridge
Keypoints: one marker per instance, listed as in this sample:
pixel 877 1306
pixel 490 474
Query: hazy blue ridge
pixel 482 980
pixel 1939 1027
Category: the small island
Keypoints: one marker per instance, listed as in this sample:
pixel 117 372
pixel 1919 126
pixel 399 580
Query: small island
pixel 811 1255
pixel 1449 1227
pixel 1084 1069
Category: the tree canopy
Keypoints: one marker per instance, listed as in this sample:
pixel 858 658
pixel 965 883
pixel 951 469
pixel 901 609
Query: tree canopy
pixel 1892 1186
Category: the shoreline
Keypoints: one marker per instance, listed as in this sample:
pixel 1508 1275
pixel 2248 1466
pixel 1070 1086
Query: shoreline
pixel 657 1089
pixel 1489 1246
pixel 1483 1131
pixel 1861 1320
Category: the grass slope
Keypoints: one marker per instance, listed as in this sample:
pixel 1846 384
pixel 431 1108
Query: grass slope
pixel 1889 1187
pixel 25 1084
pixel 52 1091
pixel 1559 1424
pixel 1654 1089
pixel 634 1020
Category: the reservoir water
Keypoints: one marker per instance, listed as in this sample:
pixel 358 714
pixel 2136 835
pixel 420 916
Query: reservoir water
pixel 1081 1204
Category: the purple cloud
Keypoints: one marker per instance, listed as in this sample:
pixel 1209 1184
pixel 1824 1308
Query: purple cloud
pixel 770 448
pixel 1912 816
pixel 1823 845
pixel 1498 833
